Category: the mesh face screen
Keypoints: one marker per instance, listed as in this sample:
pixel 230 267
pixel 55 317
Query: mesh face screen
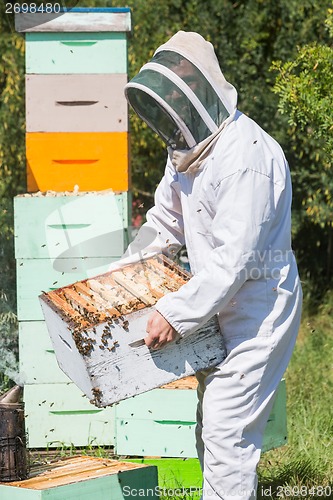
pixel 175 98
pixel 157 118
pixel 196 81
pixel 177 95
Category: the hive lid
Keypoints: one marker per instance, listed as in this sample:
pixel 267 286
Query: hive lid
pixel 44 19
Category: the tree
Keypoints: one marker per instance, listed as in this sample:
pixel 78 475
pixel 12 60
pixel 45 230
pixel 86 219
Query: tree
pixel 304 87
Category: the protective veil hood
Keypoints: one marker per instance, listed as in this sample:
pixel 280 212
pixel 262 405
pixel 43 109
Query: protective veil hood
pixel 182 94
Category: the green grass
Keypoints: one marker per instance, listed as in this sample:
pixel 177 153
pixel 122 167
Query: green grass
pixel 304 468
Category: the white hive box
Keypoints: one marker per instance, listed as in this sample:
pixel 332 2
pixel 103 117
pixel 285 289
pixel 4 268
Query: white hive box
pixel 97 326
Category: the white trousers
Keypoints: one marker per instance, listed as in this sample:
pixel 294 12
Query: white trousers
pixel 234 403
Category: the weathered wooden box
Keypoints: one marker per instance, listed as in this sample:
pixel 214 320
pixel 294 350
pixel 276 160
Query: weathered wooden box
pixel 97 328
pixel 82 477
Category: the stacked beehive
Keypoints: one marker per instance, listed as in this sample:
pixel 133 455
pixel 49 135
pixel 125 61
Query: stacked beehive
pixel 72 222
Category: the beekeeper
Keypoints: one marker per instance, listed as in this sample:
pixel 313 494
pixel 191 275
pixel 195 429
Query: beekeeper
pixel 226 195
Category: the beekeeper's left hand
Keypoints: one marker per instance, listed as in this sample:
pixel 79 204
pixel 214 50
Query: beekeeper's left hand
pixel 159 331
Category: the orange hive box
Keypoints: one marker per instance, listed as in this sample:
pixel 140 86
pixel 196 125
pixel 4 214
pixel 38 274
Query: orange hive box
pixel 92 160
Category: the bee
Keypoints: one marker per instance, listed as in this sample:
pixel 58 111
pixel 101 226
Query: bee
pixel 113 347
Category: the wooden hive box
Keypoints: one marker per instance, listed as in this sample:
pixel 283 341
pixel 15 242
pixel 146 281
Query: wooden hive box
pixel 93 160
pixel 59 415
pixel 85 478
pixel 97 328
pixel 59 225
pixel 161 423
pixel 76 103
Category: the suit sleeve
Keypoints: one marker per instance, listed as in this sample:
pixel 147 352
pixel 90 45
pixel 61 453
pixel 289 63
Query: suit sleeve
pixel 245 209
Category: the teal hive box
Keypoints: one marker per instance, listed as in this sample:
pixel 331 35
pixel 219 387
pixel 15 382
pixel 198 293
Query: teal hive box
pixel 35 276
pixel 161 423
pixel 85 478
pixel 76 53
pixel 60 415
pixel 80 41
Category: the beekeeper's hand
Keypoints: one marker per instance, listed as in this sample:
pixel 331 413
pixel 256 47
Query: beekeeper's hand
pixel 159 331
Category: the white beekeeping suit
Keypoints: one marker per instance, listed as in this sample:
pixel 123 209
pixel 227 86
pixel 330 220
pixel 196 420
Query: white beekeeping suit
pixel 226 194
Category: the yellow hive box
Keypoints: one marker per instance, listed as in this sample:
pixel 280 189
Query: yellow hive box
pixel 93 161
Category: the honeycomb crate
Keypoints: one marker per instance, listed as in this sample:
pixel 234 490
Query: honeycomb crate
pixel 97 328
